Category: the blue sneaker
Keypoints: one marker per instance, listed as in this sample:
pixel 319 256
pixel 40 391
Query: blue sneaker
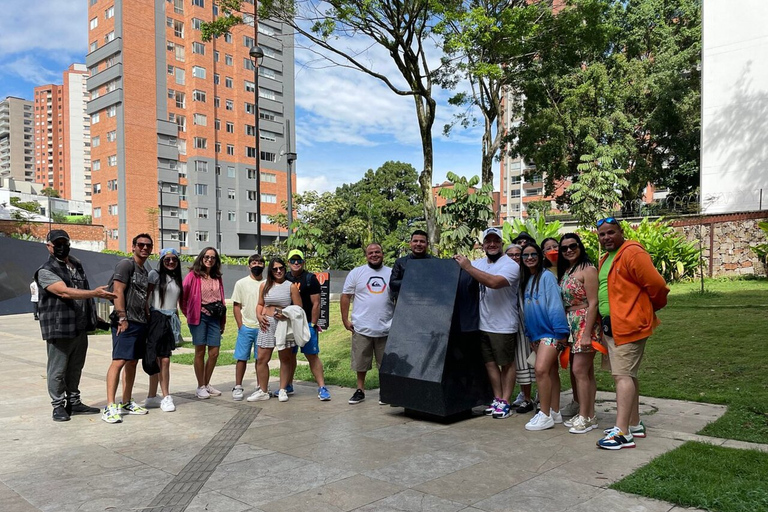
pixel 323 393
pixel 502 410
pixel 289 389
pixel 616 440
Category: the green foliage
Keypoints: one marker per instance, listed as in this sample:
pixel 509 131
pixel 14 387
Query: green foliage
pixel 540 207
pixel 597 189
pixel 762 249
pixel 535 225
pixel 50 192
pixel 467 212
pixel 185 258
pixel 30 206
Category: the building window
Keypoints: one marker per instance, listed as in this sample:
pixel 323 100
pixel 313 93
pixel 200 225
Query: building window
pixel 216 79
pixel 267 94
pixel 268 177
pixel 198 72
pixel 228 82
pixel 94 23
pixel 230 171
pixel 251 174
pixel 267 135
pixel 268 156
pixel 181 122
pixel 198 95
pixel 95 141
pixel 229 105
pixel 230 193
pixel 227 37
pixel 112 136
pixel 248 42
pixel 269 198
pixel 216 102
pixel 267 30
pixel 112 160
pixel 201 236
pixel 180 76
pixel 94 118
pixel 112 209
pixel 112 185
pixel 217 147
pixel 201 143
pixel 96 165
pixel 231 216
pixel 199 3
pixel 251 216
pixel 97 188
pixel 250 152
pixel 201 189
pixel 250 86
pixel 201 213
pixel 228 59
pixel 231 149
pixel 250 108
pixel 201 166
pixel 181 100
pixel 112 111
pixel 198 48
pixel 267 73
pixel 93 46
pixel 250 130
pixel 251 194
pixel 200 119
pixel 265 219
pixel 179 52
pixel 178 6
pixel 230 127
pixel 248 64
pixel 197 23
pixel 109 37
pixel 267 115
pixel 97 213
pixel 178 28
pixel 514 194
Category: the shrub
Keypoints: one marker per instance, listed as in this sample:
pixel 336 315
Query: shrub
pixel 535 225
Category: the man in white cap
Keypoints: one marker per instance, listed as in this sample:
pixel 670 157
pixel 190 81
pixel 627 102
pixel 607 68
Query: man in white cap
pixel 499 278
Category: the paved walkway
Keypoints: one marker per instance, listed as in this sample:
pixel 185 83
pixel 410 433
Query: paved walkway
pixel 220 455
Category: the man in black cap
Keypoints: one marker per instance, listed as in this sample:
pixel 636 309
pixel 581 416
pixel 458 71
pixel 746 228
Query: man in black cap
pixel 523 239
pixel 67 312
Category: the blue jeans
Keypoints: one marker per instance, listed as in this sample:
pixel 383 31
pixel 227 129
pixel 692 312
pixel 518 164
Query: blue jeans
pixel 207 332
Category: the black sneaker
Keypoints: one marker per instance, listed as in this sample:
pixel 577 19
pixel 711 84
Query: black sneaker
pixel 526 406
pixel 358 397
pixel 81 408
pixel 60 413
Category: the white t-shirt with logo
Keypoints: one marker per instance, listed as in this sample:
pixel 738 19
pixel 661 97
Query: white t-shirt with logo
pixel 372 311
pixel 246 293
pixel 498 308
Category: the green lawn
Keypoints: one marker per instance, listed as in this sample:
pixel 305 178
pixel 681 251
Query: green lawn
pixel 704 476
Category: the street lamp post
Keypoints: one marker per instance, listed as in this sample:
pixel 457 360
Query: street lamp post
pixel 257 55
pixel 290 157
pixel 160 213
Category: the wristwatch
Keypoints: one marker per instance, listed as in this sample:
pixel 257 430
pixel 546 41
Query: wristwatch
pixel 122 319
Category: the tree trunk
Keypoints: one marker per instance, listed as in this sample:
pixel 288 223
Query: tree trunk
pixel 425 111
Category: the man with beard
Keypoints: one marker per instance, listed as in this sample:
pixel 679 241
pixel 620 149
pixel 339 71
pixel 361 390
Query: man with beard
pixel 245 297
pixel 419 245
pixel 499 278
pixel 371 317
pixel 67 312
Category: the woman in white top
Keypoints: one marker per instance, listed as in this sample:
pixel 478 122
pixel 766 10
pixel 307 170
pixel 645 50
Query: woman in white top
pixel 278 293
pixel 164 293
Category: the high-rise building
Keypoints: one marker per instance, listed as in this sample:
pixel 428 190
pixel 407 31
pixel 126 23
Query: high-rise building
pixel 177 115
pixel 17 152
pixel 62 136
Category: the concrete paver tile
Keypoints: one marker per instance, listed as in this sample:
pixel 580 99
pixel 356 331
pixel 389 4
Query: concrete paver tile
pixel 412 500
pixel 475 483
pixel 614 501
pixel 542 494
pixel 214 501
pixel 415 470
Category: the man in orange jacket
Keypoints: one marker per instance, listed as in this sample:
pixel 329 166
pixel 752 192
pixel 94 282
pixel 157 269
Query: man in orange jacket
pixel 630 292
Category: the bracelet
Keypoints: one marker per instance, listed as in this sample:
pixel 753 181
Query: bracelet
pixel 121 320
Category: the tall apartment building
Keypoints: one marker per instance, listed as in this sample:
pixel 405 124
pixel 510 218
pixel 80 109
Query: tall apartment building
pixel 62 135
pixel 176 123
pixel 17 152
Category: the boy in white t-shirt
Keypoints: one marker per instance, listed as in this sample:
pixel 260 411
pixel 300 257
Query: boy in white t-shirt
pixel 371 317
pixel 245 298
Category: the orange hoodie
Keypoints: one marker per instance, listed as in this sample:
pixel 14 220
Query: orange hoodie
pixel 636 291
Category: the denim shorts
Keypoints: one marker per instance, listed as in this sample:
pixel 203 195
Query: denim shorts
pixel 207 332
pixel 312 346
pixel 246 343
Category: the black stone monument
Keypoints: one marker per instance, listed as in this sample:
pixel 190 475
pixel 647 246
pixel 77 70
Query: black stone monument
pixel 432 364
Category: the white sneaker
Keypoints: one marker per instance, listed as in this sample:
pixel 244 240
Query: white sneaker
pixel 167 404
pixel 237 393
pixel 557 417
pixel 212 390
pixel 152 402
pixel 258 396
pixel 569 422
pixel 519 400
pixel 202 392
pixel 282 395
pixel 583 425
pixel 540 422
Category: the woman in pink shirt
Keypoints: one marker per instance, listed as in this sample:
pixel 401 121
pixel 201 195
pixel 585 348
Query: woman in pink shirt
pixel 203 305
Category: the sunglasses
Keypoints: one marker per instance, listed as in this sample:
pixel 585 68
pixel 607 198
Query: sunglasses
pixel 295 262
pixel 607 220
pixel 209 258
pixel 278 269
pixel 141 245
pixel 530 256
pixel 172 259
pixel 569 247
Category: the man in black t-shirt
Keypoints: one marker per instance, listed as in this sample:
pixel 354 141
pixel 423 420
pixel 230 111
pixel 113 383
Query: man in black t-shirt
pixel 309 289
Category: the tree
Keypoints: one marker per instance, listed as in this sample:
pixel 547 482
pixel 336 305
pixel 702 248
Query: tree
pixel 597 191
pixel 486 42
pixel 540 207
pixel 50 192
pixel 467 212
pixel 30 206
pixel 401 27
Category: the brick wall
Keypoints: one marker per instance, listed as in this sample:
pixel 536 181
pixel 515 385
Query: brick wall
pixel 726 240
pixel 83 236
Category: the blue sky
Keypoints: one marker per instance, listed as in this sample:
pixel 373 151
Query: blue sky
pixel 346 121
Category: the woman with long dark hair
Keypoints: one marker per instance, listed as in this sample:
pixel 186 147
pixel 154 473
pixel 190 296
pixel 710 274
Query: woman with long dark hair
pixel 203 305
pixel 578 286
pixel 164 294
pixel 278 293
pixel 547 329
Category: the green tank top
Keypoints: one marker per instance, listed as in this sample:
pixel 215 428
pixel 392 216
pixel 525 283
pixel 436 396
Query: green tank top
pixel 602 290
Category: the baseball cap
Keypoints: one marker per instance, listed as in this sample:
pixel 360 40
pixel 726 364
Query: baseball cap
pixel 524 236
pixel 492 231
pixel 55 234
pixel 296 253
pixel 166 252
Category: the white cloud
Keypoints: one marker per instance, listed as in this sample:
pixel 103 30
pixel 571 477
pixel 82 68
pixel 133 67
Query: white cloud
pixel 59 27
pixel 29 69
pixel 317 183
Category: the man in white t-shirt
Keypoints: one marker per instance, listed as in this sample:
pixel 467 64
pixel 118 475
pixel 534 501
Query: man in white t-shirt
pixel 245 297
pixel 499 279
pixel 371 317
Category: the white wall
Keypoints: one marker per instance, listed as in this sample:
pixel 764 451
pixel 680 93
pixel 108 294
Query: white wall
pixel 734 156
pixel 78 131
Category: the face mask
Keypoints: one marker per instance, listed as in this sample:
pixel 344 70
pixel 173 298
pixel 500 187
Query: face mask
pixel 494 257
pixel 552 256
pixel 61 251
pixel 257 271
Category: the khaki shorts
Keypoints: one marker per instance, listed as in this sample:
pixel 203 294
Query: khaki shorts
pixel 626 358
pixel 363 350
pixel 498 348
